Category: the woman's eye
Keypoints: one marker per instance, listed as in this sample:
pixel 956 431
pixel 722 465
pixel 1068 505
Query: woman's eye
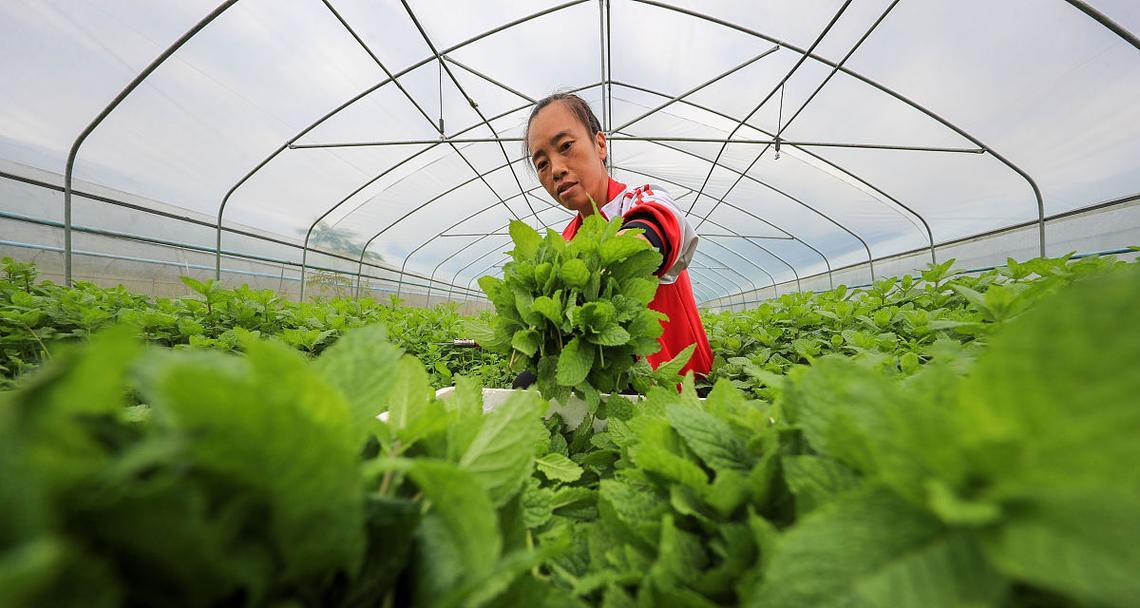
pixel 566 146
pixel 541 166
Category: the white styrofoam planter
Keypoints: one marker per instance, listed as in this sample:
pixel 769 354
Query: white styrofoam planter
pixel 572 412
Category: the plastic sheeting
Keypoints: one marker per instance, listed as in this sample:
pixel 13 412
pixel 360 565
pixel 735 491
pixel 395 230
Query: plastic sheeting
pixel 282 126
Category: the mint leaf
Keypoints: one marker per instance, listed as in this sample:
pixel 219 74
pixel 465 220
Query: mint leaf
pixel 409 391
pixel 501 455
pixel 712 439
pixel 574 363
pixel 557 467
pixel 361 365
pixel 526 239
pixel 526 341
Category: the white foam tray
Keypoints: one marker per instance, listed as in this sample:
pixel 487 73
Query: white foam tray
pixel 573 412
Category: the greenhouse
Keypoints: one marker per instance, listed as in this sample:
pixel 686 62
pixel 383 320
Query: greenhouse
pixel 295 310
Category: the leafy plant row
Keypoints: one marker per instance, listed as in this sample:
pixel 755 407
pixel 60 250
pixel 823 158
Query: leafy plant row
pixel 995 475
pixel 34 316
pixel 900 322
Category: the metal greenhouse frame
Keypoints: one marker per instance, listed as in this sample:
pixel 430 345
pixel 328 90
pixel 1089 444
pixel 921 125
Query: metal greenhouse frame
pixel 777 233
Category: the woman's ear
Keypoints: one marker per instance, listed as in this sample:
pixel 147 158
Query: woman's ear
pixel 600 144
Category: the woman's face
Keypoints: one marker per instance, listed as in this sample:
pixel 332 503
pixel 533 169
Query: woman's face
pixel 569 160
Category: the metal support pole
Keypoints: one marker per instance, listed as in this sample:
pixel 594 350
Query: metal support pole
pixel 73 152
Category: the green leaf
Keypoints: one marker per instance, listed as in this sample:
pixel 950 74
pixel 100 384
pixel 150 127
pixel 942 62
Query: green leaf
pixel 272 429
pixel 574 362
pixel 612 335
pixel 501 455
pixel 596 315
pixel 463 524
pixel 639 290
pixel 948 573
pixel 824 559
pixel 548 308
pixel 526 342
pixel 361 364
pixel 633 509
pixel 410 391
pixel 712 439
pixel 670 369
pixel 574 273
pixel 655 458
pixel 466 420
pixel 490 285
pixel 526 239
pixel 815 480
pixel 537 504
pixel 620 248
pixel 639 264
pixel 557 467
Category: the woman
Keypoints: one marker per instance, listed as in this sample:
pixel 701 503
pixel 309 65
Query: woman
pixel 564 141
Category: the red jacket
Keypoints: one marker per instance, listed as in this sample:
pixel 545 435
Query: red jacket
pixel 653 209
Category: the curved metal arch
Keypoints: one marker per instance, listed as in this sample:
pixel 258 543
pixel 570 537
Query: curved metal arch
pixel 729 279
pixel 761 248
pixel 451 285
pixel 728 268
pixel 795 274
pixel 702 291
pixel 476 241
pixel 470 100
pixel 784 126
pixel 367 244
pixel 472 243
pixel 472 263
pixel 358 97
pixel 1104 20
pixel 704 273
pixel 734 232
pixel 803 57
pixel 73 152
pixel 861 240
pixel 497 83
pixel 754 264
pixel 885 89
pixel 413 156
pixel 469 289
pixel 695 89
pixel 802 149
pixel 806 151
pixel 395 81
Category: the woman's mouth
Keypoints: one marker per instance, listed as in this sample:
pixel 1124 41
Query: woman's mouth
pixel 565 188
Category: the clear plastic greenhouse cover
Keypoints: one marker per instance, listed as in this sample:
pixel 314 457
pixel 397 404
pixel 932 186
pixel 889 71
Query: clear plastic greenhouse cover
pixel 375 143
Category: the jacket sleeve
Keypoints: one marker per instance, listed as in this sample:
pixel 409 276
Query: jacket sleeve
pixel 653 204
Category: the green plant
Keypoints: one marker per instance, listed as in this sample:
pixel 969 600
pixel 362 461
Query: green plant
pixel 996 475
pixel 576 313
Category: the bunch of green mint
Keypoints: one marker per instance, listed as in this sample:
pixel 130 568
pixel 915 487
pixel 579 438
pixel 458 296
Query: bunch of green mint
pixel 576 313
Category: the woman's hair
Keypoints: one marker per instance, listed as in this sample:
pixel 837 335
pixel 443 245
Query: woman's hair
pixel 577 106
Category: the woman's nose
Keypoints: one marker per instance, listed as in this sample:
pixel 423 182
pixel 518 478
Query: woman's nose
pixel 557 169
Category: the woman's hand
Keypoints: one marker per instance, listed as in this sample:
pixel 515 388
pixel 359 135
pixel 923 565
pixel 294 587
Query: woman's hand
pixel 640 235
